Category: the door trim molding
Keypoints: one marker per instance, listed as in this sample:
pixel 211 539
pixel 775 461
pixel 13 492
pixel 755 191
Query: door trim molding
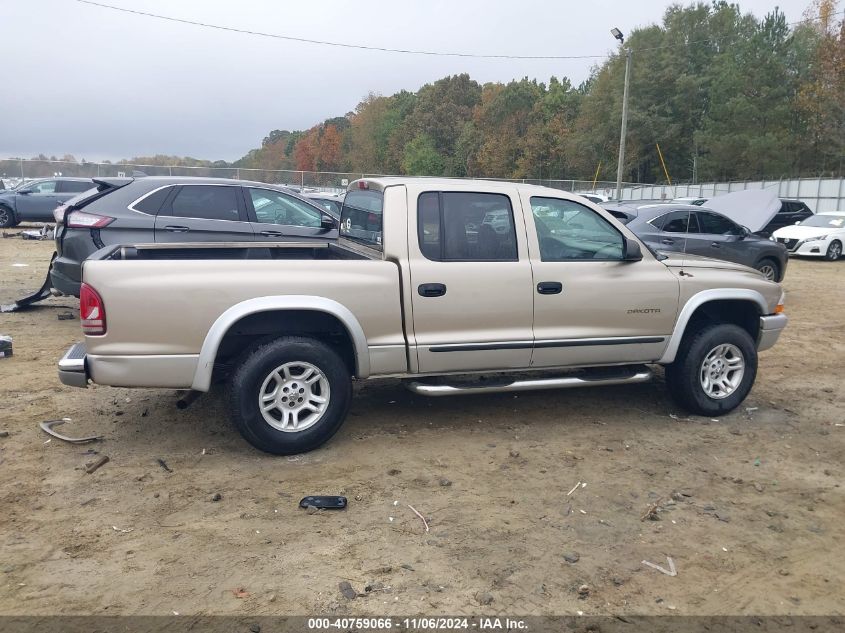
pixel 545 344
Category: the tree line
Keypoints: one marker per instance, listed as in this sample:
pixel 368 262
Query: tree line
pixel 726 95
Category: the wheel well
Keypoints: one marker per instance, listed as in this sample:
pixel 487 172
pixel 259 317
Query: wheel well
pixel 264 326
pixel 745 314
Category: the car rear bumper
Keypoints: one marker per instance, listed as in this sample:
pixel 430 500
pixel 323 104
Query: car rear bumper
pixel 63 277
pixel 73 369
pixel 770 328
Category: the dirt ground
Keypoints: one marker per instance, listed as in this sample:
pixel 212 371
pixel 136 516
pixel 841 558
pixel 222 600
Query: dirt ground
pixel 749 507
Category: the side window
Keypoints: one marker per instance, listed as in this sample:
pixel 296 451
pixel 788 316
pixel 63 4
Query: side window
pixel 570 231
pixel 458 226
pixel 151 203
pixel 786 207
pixel 274 207
pixel 206 202
pixel 716 224
pixel 75 186
pixel 45 186
pixel 680 222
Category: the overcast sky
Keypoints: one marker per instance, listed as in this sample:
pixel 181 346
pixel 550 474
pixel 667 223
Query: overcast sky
pixel 100 84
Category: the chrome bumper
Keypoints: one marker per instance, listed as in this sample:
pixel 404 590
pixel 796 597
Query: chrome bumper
pixel 770 329
pixel 72 370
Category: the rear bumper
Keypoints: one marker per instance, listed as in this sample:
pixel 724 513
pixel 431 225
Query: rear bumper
pixel 770 328
pixel 62 281
pixel 73 369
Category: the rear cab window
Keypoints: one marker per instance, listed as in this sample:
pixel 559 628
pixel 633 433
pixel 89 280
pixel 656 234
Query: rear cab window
pixel 361 218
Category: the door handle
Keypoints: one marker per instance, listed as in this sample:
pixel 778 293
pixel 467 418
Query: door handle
pixel 176 229
pixel 272 234
pixel 667 240
pixel 432 290
pixel 715 244
pixel 549 287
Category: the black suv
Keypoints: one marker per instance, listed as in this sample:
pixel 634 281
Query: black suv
pixel 790 212
pixel 125 211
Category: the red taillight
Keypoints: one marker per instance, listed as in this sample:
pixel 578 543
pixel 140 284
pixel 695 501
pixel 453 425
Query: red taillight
pixel 363 184
pixel 92 312
pixel 82 220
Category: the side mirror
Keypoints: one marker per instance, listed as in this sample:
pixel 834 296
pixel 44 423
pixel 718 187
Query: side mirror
pixel 327 222
pixel 798 222
pixel 25 192
pixel 633 252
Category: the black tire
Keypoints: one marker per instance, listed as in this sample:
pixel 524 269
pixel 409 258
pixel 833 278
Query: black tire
pixel 7 217
pixel 258 366
pixel 769 263
pixel 834 251
pixel 683 377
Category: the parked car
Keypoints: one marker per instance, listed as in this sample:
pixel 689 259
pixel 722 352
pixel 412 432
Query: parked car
pixel 790 212
pixel 35 200
pixel 423 285
pixel 820 235
pixel 171 209
pixel 690 200
pixel 330 202
pixel 700 231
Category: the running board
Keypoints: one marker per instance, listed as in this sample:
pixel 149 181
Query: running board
pixel 622 376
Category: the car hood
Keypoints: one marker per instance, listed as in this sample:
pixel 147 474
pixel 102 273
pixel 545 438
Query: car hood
pixel 680 260
pixel 752 208
pixel 801 232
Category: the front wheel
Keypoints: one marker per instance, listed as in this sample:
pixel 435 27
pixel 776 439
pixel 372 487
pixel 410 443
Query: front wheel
pixel 7 217
pixel 834 251
pixel 290 395
pixel 714 370
pixel 769 268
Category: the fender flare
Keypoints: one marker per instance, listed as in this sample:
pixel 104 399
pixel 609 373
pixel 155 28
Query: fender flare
pixel 205 362
pixel 698 300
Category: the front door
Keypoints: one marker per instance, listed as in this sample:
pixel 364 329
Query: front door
pixel 470 280
pixel 279 217
pixel 39 203
pixel 590 306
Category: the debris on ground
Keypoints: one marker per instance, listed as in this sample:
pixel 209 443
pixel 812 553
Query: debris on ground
pixel 652 511
pixel 4 434
pixel 484 598
pixel 346 589
pixel 669 572
pixel 66 316
pixel 126 531
pixel 92 466
pixel 42 234
pixel 584 591
pixel 414 510
pixel 216 496
pixel 574 488
pixel 5 346
pixel 47 427
pixel 444 482
pixel 163 464
pixel 240 592
pixel 571 557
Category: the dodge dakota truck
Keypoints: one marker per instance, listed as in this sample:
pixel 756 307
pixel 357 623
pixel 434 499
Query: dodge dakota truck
pixel 456 286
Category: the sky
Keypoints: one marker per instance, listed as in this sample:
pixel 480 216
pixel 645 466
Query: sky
pixel 102 84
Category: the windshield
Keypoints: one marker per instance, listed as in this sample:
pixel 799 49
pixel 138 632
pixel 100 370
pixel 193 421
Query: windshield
pixel 826 221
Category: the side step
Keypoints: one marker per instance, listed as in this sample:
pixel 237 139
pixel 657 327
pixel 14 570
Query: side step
pixel 587 378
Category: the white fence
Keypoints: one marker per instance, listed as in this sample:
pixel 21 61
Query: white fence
pixel 820 194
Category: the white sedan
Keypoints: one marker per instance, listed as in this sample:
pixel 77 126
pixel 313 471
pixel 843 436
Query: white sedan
pixel 820 235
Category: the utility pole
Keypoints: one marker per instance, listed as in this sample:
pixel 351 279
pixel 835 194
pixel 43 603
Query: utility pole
pixel 620 166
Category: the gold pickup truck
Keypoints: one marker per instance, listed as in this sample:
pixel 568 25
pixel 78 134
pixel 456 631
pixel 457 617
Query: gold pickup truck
pixel 456 286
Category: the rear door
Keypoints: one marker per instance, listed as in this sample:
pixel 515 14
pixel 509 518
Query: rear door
pixel 277 216
pixel 67 189
pixel 203 213
pixel 471 289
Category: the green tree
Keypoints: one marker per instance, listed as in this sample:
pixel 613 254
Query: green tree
pixel 422 158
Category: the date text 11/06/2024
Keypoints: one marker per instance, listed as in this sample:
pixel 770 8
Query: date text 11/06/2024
pixel 418 623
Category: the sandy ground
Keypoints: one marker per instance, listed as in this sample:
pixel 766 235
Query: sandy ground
pixel 756 524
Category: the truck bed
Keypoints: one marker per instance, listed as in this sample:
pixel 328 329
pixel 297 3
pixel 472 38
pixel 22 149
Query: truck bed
pixel 230 250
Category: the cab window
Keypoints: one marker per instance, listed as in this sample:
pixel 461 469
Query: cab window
pixel 274 207
pixel 466 226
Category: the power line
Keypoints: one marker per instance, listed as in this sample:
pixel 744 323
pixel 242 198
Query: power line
pixel 291 38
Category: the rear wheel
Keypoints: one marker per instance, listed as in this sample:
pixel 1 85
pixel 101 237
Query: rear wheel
pixel 834 251
pixel 714 370
pixel 290 395
pixel 770 269
pixel 7 217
